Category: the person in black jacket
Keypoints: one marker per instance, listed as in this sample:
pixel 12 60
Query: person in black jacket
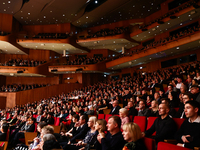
pixel 28 127
pixel 189 133
pixel 113 140
pixel 164 126
pixel 4 129
pixel 116 108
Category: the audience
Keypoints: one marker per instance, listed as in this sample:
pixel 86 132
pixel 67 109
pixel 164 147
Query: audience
pixel 21 62
pixel 21 87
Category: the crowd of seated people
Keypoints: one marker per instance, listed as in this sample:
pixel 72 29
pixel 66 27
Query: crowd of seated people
pixel 162 41
pixel 153 100
pixel 108 32
pixel 85 60
pixel 21 87
pixel 51 36
pixel 21 62
pixel 171 13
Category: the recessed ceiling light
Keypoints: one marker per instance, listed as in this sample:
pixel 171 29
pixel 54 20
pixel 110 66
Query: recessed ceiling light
pixel 44 16
pixel 86 17
pixel 4 3
pixel 96 2
pixel 9 2
pixel 29 13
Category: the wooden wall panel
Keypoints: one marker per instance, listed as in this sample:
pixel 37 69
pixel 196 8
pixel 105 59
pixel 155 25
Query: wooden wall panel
pixel 10 99
pixel 75 77
pixel 32 80
pixel 53 28
pixel 2 80
pixel 3 102
pixel 6 22
pixel 92 78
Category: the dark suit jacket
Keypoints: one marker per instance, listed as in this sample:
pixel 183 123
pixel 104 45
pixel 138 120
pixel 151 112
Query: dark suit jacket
pixel 2 136
pixel 30 129
pixel 79 133
pixel 116 111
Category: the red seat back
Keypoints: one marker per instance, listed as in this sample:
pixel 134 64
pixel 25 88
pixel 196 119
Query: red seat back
pixel 107 116
pixel 177 108
pixel 167 146
pixel 150 123
pixel 101 116
pixel 141 122
pixel 149 143
pixel 178 122
pixel 130 118
pixel 35 127
pixel 57 123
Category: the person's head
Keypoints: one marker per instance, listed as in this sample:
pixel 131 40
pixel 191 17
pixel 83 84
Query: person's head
pixel 170 88
pixel 101 125
pixel 75 118
pixel 123 112
pixel 156 95
pixel 183 88
pixel 48 136
pixel 142 104
pixel 32 120
pixel 194 89
pixel 130 104
pixel 47 129
pixel 191 109
pixel 114 124
pixel 154 104
pixel 187 97
pixel 131 132
pixel 40 126
pixel 92 121
pixel 83 119
pixel 115 103
pixel 163 109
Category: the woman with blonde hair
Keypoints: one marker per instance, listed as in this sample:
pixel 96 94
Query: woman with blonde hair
pixel 123 114
pixel 132 134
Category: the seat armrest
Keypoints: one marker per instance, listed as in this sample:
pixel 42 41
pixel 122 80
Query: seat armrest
pixel 171 141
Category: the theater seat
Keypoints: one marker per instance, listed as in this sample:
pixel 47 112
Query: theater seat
pixel 107 116
pixel 141 122
pixel 167 146
pixel 178 122
pixel 57 122
pixel 150 123
pixel 3 145
pixel 101 116
pixel 149 143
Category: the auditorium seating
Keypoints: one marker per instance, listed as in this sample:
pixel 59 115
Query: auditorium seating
pixel 167 146
pixel 150 123
pixel 141 122
pixel 149 143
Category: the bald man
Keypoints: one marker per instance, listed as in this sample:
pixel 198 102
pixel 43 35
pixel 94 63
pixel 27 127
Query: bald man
pixel 164 126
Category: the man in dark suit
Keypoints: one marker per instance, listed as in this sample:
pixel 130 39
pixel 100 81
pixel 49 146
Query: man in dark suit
pixel 131 108
pixel 195 92
pixel 116 108
pixel 28 127
pixel 80 129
